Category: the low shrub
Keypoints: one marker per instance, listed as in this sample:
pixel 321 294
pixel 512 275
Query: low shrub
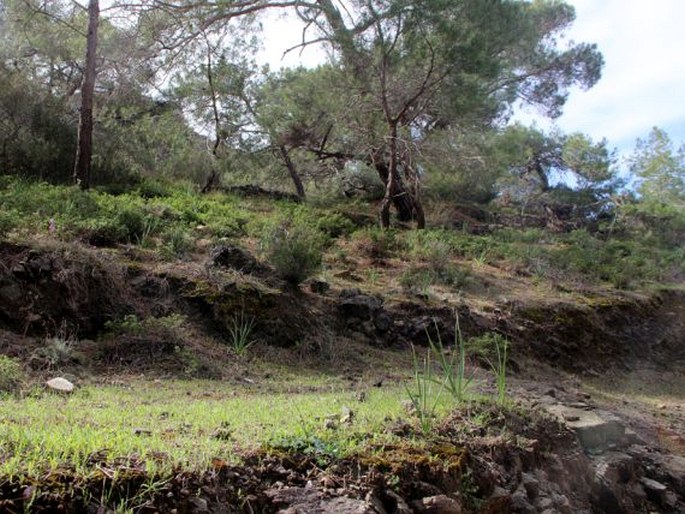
pixel 379 243
pixel 294 249
pixel 418 277
pixel 11 375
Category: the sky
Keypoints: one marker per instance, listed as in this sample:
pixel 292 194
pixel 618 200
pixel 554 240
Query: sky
pixel 643 81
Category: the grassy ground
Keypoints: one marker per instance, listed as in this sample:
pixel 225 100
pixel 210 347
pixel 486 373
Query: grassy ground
pixel 301 399
pixel 171 423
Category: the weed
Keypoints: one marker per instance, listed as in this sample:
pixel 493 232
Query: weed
pixel 9 220
pixel 57 352
pixel 420 277
pixel 453 368
pixel 378 243
pixel 11 375
pixel 422 396
pixel 240 333
pixel 372 275
pixel 178 241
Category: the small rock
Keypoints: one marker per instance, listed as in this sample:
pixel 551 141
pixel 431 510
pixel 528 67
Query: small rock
pixel 199 504
pixel 531 485
pixel 319 286
pixel 383 322
pixel 361 396
pixel 329 424
pixel 520 503
pixel 656 491
pixel 347 416
pixel 397 502
pixel 409 407
pixel 60 385
pixel 439 504
pixel 499 501
pixel 350 292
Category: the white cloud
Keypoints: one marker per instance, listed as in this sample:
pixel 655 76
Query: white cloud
pixel 643 83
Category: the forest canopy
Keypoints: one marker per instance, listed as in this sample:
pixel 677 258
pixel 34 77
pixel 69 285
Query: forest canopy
pixel 413 103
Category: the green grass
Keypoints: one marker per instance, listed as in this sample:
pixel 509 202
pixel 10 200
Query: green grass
pixel 173 222
pixel 179 423
pixel 11 375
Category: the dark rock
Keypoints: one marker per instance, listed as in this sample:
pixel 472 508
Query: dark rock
pixel 199 505
pixel 234 257
pixel 319 286
pixel 383 322
pixel 531 485
pixel 394 503
pixel 350 292
pixel 362 307
pixel 520 503
pixel 656 491
pixel 499 501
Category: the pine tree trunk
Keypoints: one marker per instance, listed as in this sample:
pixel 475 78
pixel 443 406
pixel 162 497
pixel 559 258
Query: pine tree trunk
pixel 400 197
pixel 294 175
pixel 84 148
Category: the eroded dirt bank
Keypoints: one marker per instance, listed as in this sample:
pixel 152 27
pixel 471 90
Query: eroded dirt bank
pixel 572 358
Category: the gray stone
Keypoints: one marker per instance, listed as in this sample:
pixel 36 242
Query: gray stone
pixel 595 431
pixel 520 503
pixel 439 504
pixel 400 506
pixel 362 307
pixel 656 491
pixel 531 485
pixel 60 385
pixel 300 500
pixel 199 505
pixel 383 322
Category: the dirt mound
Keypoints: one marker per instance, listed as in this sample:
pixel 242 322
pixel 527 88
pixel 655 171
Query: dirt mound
pixel 44 290
pixel 606 332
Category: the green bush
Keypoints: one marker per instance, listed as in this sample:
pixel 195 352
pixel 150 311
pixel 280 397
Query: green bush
pixel 178 241
pixel 419 277
pixel 9 220
pixel 11 375
pixel 379 243
pixel 294 249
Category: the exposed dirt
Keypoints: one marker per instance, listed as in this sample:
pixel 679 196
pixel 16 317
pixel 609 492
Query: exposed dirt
pixel 605 351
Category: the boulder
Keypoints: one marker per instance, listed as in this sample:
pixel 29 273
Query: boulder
pixel 234 257
pixel 362 307
pixel 60 385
